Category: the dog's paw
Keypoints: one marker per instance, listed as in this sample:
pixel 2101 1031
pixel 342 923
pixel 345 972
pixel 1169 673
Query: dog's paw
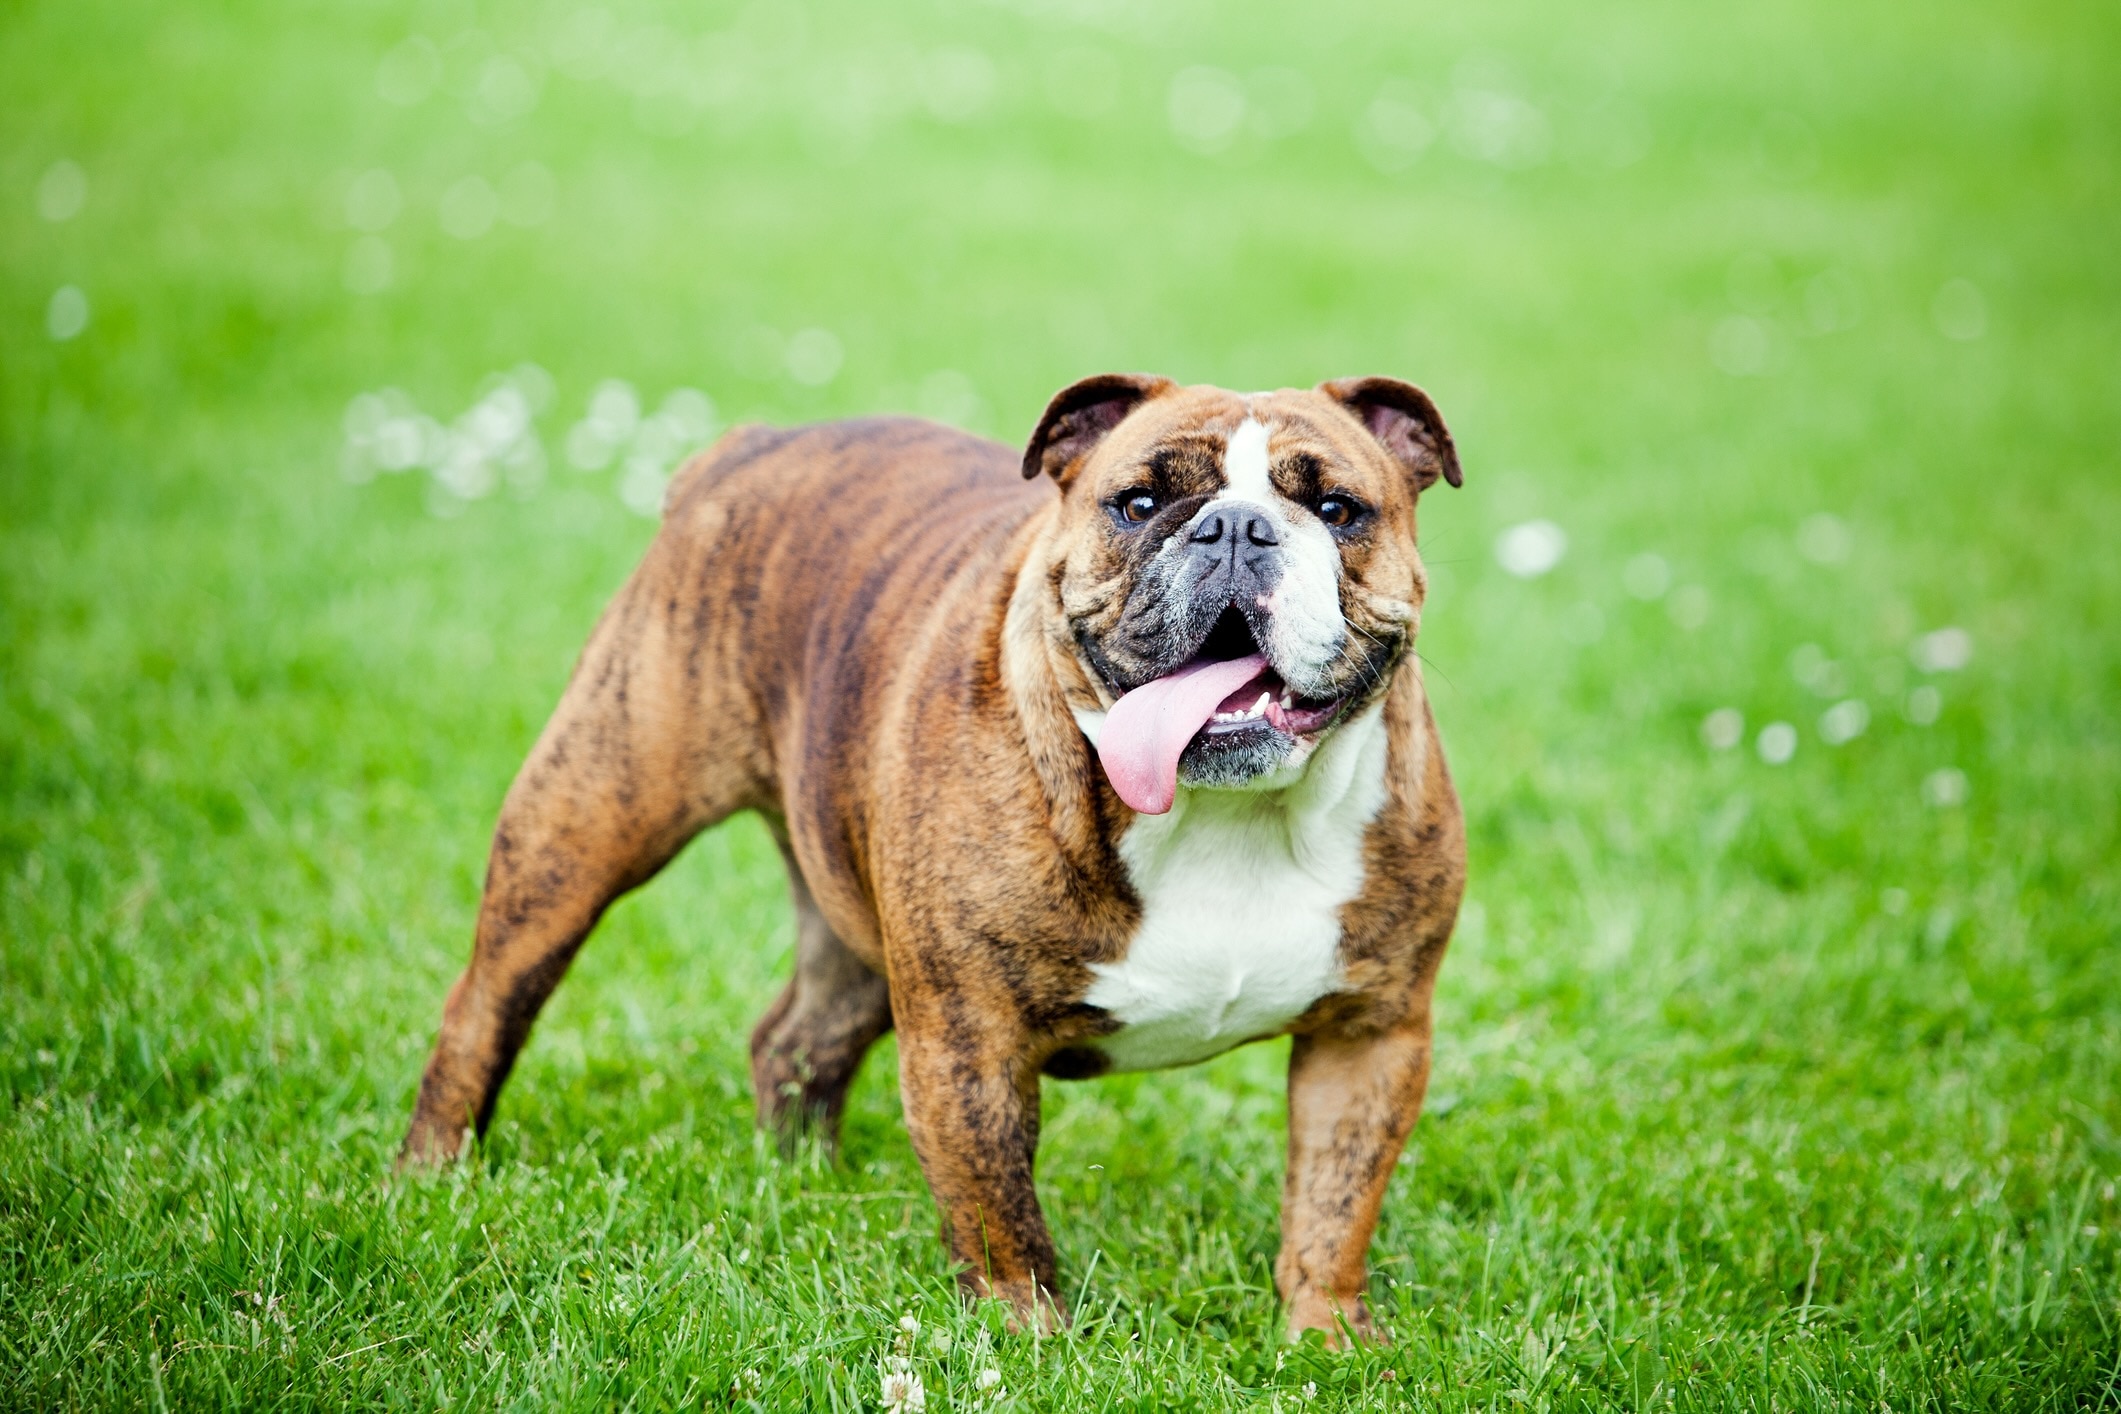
pixel 430 1147
pixel 1343 1323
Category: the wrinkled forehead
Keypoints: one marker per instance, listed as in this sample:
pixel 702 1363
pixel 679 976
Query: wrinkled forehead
pixel 1207 441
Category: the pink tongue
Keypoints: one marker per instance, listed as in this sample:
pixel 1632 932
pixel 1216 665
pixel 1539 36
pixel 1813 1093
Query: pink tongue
pixel 1147 730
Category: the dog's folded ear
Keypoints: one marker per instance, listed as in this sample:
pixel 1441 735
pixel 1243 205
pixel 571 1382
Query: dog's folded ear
pixel 1402 417
pixel 1079 417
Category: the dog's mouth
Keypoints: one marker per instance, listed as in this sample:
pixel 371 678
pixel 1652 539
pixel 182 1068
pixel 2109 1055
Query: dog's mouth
pixel 1226 696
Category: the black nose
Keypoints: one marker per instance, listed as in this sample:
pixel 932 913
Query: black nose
pixel 1234 521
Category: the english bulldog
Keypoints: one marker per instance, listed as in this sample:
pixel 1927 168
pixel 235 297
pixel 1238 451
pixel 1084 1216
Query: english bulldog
pixel 1109 755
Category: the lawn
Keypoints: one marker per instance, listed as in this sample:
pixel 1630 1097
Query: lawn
pixel 1773 638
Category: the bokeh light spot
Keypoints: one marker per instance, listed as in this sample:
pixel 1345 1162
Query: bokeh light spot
pixel 1823 539
pixel 1844 721
pixel 1532 548
pixel 813 357
pixel 504 91
pixel 1945 788
pixel 1205 107
pixel 1944 650
pixel 1689 606
pixel 1394 129
pixel 62 191
pixel 1740 345
pixel 66 315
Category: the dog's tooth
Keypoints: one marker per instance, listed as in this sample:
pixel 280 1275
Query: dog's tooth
pixel 1259 708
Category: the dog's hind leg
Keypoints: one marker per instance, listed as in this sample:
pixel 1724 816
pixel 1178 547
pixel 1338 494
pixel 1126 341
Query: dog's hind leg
pixel 809 1044
pixel 632 765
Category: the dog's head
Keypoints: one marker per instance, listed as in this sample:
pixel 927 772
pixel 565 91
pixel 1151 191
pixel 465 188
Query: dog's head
pixel 1238 572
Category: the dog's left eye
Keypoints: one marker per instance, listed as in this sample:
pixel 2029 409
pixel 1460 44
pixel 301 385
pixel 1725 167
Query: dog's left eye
pixel 1339 512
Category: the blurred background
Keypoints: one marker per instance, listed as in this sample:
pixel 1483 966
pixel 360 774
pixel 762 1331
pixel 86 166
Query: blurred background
pixel 345 349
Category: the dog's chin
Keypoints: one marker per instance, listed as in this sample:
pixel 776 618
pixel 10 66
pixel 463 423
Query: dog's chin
pixel 1248 757
pixel 1260 754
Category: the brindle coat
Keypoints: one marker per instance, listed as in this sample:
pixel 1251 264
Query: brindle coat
pixel 874 633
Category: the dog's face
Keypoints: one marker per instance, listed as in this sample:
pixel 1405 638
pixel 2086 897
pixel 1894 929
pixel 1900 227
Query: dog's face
pixel 1202 526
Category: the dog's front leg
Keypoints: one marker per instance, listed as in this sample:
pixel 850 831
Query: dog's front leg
pixel 971 1099
pixel 1352 1102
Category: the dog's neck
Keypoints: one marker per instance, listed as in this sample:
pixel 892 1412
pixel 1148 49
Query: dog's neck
pixel 1044 679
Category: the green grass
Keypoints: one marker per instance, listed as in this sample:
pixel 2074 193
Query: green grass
pixel 1758 1086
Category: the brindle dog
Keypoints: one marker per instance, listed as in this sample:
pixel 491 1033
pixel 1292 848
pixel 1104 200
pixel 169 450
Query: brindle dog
pixel 1109 754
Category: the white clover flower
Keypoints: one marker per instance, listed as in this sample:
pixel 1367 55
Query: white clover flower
pixel 987 1379
pixel 902 1390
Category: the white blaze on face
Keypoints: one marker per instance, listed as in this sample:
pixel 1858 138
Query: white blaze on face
pixel 1245 464
pixel 1306 629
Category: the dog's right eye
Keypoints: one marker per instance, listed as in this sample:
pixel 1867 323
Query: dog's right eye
pixel 1134 507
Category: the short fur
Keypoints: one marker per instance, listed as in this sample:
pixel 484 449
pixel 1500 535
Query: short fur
pixel 884 640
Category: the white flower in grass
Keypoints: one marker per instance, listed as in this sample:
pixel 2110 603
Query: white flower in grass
pixel 902 1390
pixel 987 1379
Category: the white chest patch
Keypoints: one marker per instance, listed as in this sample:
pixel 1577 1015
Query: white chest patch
pixel 1241 895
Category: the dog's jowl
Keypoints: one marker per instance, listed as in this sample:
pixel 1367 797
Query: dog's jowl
pixel 1108 756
